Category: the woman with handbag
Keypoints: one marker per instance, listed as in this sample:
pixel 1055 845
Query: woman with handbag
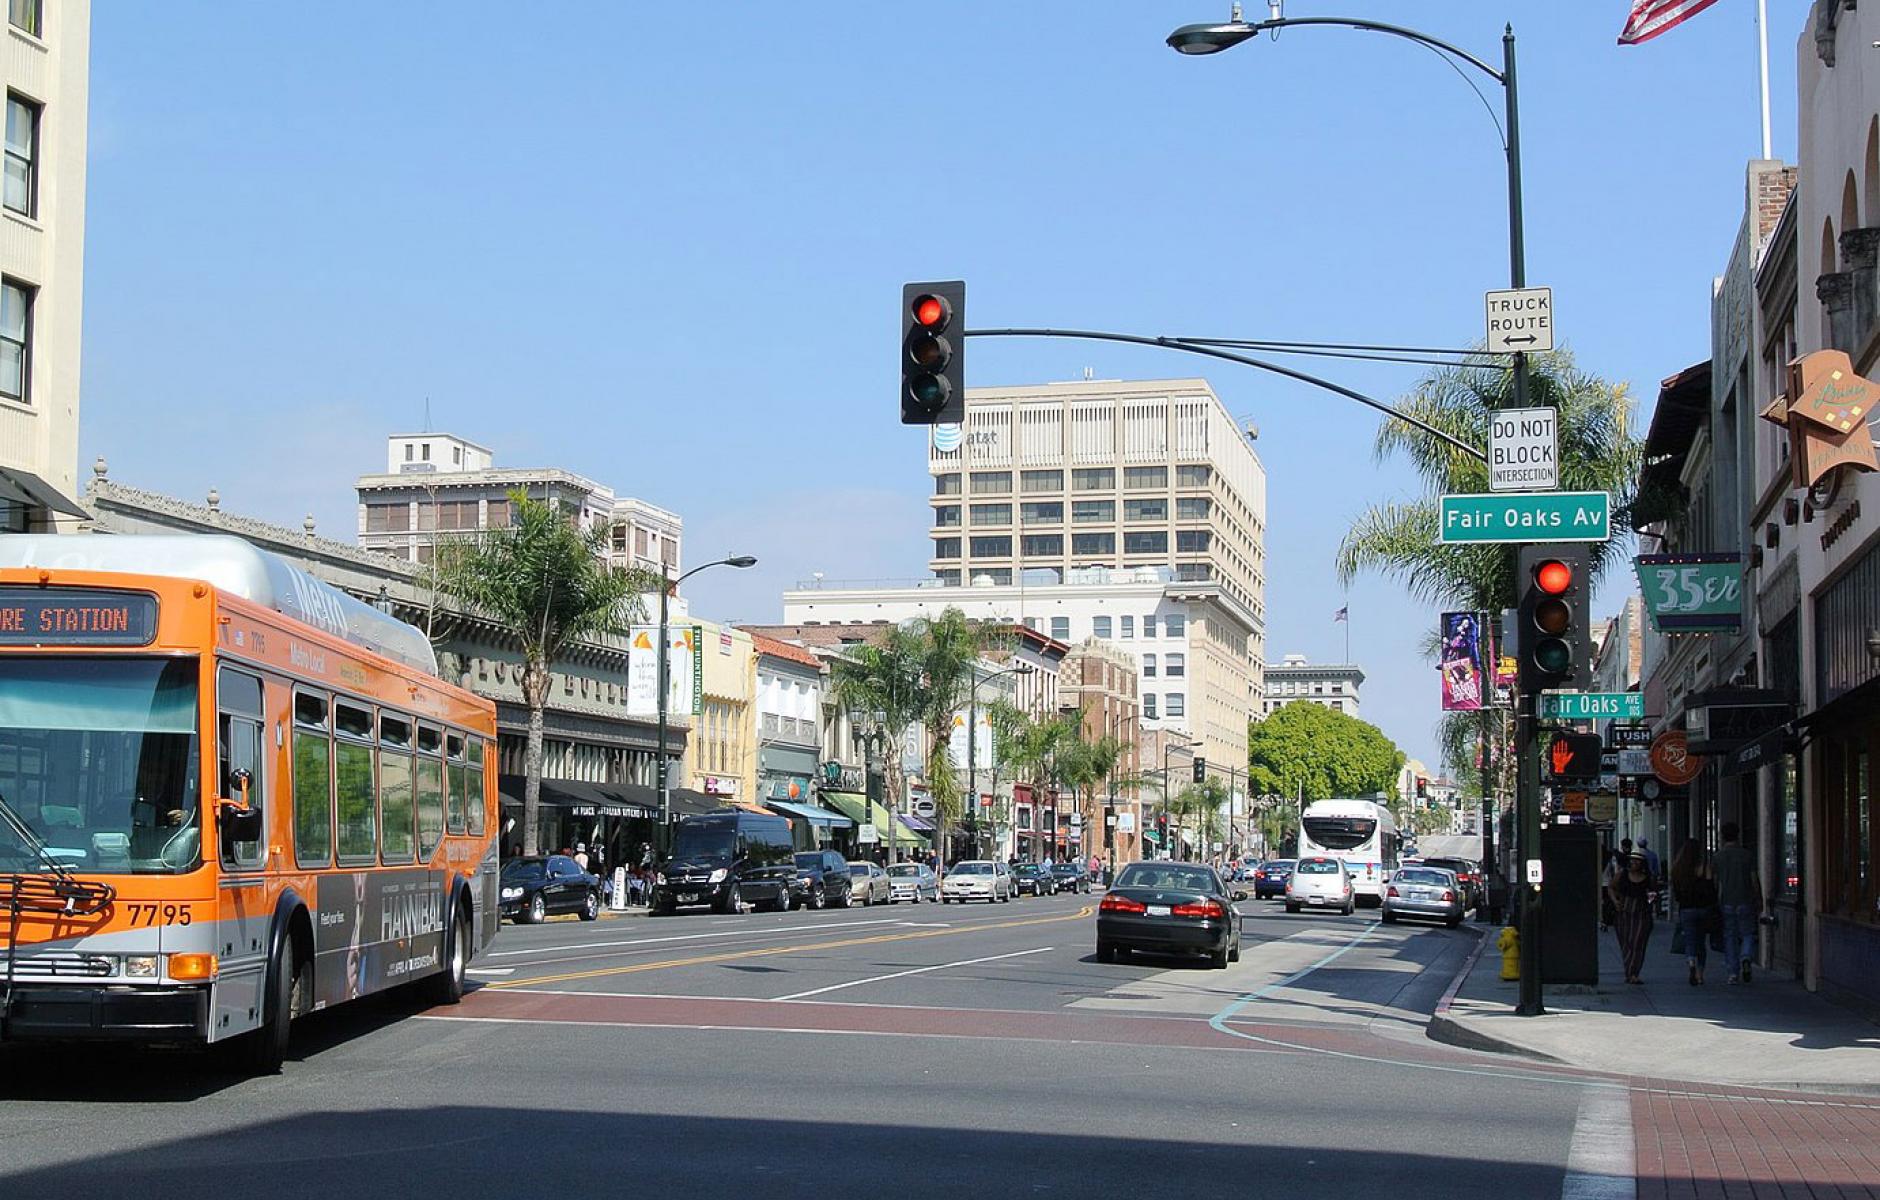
pixel 1696 895
pixel 1631 891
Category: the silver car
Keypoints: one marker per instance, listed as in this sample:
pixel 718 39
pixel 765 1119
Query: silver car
pixel 1427 892
pixel 870 883
pixel 976 879
pixel 1321 883
pixel 913 882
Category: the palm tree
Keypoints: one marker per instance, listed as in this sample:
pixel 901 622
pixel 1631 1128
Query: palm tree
pixel 1598 452
pixel 883 681
pixel 549 585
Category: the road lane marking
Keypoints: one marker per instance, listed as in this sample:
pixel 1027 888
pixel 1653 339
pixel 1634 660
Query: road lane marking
pixel 489 971
pixel 747 931
pixel 766 951
pixel 965 962
pixel 1601 1158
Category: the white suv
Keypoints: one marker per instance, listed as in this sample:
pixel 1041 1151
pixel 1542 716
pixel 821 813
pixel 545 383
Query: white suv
pixel 976 879
pixel 1320 883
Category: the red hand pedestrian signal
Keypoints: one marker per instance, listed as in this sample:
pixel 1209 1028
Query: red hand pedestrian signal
pixel 1574 755
pixel 1562 755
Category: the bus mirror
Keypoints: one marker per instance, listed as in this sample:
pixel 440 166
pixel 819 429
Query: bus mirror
pixel 240 824
pixel 241 779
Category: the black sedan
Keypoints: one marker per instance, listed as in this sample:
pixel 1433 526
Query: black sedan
pixel 1269 878
pixel 534 888
pixel 1034 879
pixel 1169 907
pixel 1071 877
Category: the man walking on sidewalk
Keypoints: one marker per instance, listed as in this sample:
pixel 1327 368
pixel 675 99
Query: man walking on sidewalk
pixel 1739 896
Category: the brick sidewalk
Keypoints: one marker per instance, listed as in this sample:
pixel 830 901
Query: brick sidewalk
pixel 1694 1146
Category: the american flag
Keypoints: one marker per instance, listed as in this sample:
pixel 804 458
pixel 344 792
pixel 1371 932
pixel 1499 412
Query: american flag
pixel 1343 614
pixel 1652 17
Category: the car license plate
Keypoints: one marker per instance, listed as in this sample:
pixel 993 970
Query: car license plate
pixel 1316 900
pixel 688 897
pixel 1419 893
pixel 1158 910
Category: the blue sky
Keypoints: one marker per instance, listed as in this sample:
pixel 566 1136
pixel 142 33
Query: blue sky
pixel 662 245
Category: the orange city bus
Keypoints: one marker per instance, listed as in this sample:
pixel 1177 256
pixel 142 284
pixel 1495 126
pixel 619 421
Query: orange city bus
pixel 230 794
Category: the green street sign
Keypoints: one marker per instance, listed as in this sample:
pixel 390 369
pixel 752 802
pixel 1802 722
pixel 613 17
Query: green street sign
pixel 1693 593
pixel 1592 706
pixel 1475 518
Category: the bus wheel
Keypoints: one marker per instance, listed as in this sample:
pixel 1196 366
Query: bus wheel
pixel 264 1050
pixel 446 987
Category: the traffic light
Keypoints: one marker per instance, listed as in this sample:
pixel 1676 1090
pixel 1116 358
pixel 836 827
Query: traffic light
pixel 1555 636
pixel 933 337
pixel 1201 770
pixel 1161 830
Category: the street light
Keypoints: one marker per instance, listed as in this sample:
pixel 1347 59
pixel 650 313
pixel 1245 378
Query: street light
pixel 667 585
pixel 972 739
pixel 1210 39
pixel 873 740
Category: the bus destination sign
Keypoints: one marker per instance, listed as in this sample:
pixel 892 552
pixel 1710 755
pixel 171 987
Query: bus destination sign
pixel 76 617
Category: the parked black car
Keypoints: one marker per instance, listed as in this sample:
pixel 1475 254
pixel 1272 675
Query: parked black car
pixel 1033 878
pixel 536 887
pixel 1071 877
pixel 727 859
pixel 1169 907
pixel 1269 878
pixel 821 877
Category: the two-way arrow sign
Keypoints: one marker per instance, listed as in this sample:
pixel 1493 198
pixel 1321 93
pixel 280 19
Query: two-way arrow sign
pixel 1520 319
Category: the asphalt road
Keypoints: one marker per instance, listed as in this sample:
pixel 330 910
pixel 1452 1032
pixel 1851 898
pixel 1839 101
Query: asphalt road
pixel 896 1050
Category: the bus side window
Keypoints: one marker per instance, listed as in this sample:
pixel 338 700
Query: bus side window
pixel 356 791
pixel 459 782
pixel 430 789
pixel 313 782
pixel 395 798
pixel 238 748
pixel 476 803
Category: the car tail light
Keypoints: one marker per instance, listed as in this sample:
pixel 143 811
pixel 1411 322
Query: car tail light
pixel 1392 891
pixel 1448 896
pixel 1122 904
pixel 1207 908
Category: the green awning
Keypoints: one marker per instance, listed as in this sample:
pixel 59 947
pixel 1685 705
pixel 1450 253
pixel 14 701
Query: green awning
pixel 866 812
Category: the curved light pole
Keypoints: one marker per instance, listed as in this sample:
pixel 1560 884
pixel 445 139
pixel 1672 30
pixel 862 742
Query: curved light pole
pixel 1212 39
pixel 667 584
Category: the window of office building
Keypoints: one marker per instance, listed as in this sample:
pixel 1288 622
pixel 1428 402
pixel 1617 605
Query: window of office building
pixel 388 518
pixel 1177 665
pixel 997 576
pixel 1041 481
pixel 992 514
pixel 16 336
pixel 1145 510
pixel 1195 475
pixel 1193 572
pixel 1042 545
pixel 991 483
pixel 1145 477
pixel 1176 704
pixel 1148 626
pixel 457 514
pixel 1061 628
pixel 1093 512
pixel 1129 627
pixel 498 518
pixel 1042 512
pixel 1100 627
pixel 992 547
pixel 1093 479
pixel 1093 543
pixel 1192 508
pixel 945 515
pixel 24 15
pixel 1175 625
pixel 1148 666
pixel 1193 541
pixel 1146 543
pixel 946 485
pixel 22 155
pixel 1148 705
pixel 946 547
pixel 948 578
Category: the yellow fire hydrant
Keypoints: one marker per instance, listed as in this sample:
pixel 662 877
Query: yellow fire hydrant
pixel 1509 943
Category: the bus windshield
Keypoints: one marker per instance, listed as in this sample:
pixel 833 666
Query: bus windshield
pixel 98 757
pixel 1340 833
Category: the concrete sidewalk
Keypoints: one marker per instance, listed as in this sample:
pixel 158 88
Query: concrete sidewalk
pixel 1770 1034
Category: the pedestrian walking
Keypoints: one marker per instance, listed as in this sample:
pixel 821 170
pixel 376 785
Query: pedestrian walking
pixel 1739 901
pixel 1631 891
pixel 581 855
pixel 1696 895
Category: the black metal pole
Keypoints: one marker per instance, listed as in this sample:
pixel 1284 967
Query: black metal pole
pixel 662 834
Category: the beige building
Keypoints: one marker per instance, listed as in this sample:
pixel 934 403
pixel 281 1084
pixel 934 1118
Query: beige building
pixel 1100 679
pixel 721 759
pixel 42 261
pixel 440 484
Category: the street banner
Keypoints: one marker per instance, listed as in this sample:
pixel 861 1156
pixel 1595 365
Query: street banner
pixel 1464 662
pixel 685 672
pixel 982 744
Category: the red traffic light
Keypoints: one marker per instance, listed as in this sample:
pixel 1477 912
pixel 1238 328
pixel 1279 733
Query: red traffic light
pixel 1553 577
pixel 931 312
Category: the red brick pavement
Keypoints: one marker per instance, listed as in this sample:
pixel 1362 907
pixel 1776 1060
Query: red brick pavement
pixel 1695 1146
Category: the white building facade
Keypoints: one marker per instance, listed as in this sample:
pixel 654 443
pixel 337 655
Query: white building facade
pixel 1334 685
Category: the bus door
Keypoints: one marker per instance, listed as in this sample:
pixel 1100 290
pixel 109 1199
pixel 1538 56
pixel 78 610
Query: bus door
pixel 243 909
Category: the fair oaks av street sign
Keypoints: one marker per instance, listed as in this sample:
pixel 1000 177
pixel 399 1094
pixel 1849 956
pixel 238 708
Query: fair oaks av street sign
pixel 1476 518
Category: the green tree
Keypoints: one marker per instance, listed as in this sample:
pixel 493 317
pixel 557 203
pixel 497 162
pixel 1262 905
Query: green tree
pixel 1401 540
pixel 1306 752
pixel 549 585
pixel 881 682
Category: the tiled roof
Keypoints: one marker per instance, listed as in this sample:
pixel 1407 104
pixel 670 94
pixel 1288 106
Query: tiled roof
pixel 784 650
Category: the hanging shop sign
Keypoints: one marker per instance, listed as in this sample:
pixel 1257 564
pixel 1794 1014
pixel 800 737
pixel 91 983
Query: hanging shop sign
pixel 1692 593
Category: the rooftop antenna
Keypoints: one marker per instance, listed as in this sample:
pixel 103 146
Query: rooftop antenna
pixel 1089 374
pixel 427 414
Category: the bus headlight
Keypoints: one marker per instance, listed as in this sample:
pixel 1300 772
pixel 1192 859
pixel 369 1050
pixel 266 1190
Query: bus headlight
pixel 140 966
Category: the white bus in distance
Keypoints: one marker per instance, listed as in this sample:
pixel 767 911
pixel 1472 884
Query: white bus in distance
pixel 1360 832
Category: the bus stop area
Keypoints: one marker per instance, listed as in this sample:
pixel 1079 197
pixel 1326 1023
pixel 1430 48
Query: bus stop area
pixel 1771 1033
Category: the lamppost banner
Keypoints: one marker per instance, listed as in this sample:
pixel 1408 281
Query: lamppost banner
pixel 685 671
pixel 1464 662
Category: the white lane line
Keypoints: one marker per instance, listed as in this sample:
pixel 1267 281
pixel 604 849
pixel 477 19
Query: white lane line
pixel 691 937
pixel 489 971
pixel 1600 1159
pixel 966 962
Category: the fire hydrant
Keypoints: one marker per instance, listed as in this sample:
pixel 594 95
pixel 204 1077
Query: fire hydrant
pixel 1509 943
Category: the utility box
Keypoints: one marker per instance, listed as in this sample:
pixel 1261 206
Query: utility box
pixel 1570 904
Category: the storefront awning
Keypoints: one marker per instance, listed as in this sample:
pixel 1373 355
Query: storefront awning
pixel 586 799
pixel 24 487
pixel 820 817
pixel 866 812
pixel 918 824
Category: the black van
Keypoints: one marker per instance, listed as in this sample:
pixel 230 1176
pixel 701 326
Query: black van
pixel 727 858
